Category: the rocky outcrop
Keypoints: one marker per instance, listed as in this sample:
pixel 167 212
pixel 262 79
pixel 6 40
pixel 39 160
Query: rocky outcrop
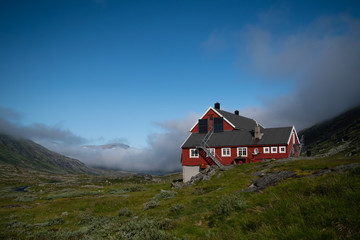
pixel 269 179
pixel 338 169
pixel 272 178
pixel 204 175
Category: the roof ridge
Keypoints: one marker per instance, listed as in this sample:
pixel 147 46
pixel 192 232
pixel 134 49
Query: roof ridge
pixel 236 114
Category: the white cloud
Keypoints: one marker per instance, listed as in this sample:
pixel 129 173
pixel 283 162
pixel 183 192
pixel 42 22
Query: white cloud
pixel 162 155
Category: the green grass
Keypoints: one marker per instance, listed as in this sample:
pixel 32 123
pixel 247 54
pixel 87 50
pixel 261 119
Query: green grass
pixel 90 207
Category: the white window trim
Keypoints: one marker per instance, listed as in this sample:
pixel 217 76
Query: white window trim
pixel 282 149
pixel 212 151
pixel 276 149
pixel 266 149
pixel 226 149
pixel 242 148
pixel 196 155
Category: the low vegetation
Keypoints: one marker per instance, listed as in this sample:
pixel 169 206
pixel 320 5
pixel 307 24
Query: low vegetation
pixel 100 207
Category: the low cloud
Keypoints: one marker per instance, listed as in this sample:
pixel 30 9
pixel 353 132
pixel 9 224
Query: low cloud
pixel 162 155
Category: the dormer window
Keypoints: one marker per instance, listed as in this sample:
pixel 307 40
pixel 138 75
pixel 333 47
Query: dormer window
pixel 218 124
pixel 203 125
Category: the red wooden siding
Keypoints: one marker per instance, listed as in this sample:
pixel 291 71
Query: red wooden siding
pixel 200 161
pixel 227 126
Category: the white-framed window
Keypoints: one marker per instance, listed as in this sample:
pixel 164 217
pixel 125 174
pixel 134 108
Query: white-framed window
pixel 194 153
pixel 242 151
pixel 212 151
pixel 226 152
pixel 273 149
pixel 282 149
pixel 256 151
pixel 266 149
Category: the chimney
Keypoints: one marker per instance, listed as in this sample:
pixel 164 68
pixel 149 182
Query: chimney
pixel 236 112
pixel 257 133
pixel 217 106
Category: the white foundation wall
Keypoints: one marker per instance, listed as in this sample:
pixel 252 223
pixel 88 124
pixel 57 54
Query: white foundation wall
pixel 190 171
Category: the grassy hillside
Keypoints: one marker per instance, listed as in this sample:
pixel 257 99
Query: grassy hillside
pixel 95 207
pixel 27 154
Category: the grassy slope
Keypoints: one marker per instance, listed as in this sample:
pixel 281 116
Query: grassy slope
pixel 28 154
pixel 74 206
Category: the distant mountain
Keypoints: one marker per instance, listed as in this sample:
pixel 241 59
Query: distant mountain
pixel 28 154
pixel 339 134
pixel 108 146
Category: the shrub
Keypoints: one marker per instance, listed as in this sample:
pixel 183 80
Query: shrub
pixel 145 229
pixel 55 221
pixel 134 188
pixel 25 198
pixel 84 217
pixel 151 204
pixel 229 203
pixel 177 208
pixel 125 212
pixel 165 194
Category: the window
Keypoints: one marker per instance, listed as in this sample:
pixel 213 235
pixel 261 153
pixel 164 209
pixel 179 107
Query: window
pixel 256 151
pixel 282 149
pixel 218 124
pixel 225 152
pixel 242 151
pixel 266 150
pixel 212 151
pixel 203 125
pixel 194 153
pixel 273 149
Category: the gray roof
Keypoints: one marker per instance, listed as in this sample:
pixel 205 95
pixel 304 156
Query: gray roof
pixel 238 121
pixel 243 135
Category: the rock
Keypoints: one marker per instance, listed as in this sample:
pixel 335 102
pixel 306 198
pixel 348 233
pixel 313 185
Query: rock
pixel 345 168
pixel 177 185
pixel 321 172
pixel 338 169
pixel 64 214
pixel 148 177
pixel 204 175
pixel 212 172
pixel 261 173
pixel 272 178
pixel 268 179
pixel 206 178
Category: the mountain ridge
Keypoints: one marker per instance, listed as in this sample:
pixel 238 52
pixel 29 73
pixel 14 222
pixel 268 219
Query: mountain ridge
pixel 342 130
pixel 28 154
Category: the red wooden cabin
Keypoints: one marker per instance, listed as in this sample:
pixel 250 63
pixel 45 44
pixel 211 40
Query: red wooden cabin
pixel 224 138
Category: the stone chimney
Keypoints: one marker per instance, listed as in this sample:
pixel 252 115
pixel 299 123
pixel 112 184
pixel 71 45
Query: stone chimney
pixel 257 133
pixel 217 106
pixel 236 112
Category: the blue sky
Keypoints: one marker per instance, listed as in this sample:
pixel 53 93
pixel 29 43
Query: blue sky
pixel 125 71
